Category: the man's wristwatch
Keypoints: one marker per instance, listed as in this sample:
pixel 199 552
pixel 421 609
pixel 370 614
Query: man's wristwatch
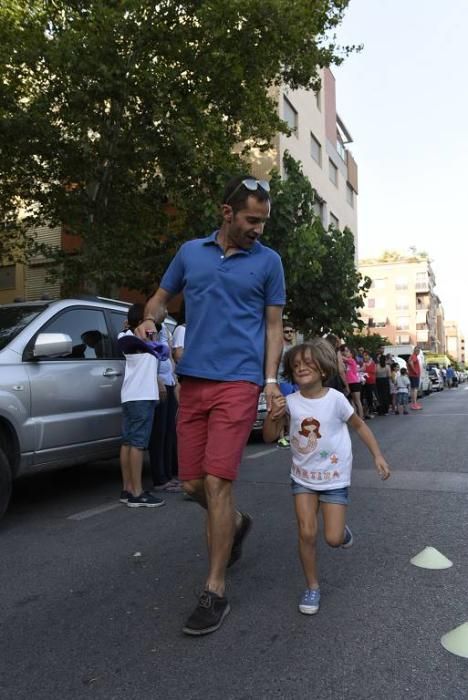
pixel 271 380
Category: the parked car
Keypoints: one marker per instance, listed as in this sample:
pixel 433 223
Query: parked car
pixel 437 379
pixel 60 378
pixel 261 413
pixel 404 352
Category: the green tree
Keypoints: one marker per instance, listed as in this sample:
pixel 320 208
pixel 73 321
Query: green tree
pixel 370 342
pixel 120 119
pixel 325 290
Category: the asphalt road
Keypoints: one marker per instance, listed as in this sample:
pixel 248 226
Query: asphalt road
pixel 94 594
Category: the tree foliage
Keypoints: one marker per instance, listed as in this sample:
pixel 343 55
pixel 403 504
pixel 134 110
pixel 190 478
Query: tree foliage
pixel 372 342
pixel 325 290
pixel 119 120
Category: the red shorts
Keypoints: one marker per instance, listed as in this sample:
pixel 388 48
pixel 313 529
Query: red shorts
pixel 213 426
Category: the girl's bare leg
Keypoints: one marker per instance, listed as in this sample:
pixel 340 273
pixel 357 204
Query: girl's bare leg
pixel 334 520
pixel 306 506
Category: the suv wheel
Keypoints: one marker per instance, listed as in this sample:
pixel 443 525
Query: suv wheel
pixel 5 483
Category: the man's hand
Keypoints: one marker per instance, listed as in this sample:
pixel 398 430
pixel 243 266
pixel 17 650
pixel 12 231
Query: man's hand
pixel 278 407
pixel 270 391
pixel 382 467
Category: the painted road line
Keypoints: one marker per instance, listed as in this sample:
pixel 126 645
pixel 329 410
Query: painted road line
pixel 262 453
pixel 93 511
pixel 437 415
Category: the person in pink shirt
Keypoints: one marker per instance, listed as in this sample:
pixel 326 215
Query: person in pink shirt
pixel 353 378
pixel 369 369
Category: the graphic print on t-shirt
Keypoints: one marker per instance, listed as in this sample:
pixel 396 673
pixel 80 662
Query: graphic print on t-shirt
pixel 306 439
pixel 320 443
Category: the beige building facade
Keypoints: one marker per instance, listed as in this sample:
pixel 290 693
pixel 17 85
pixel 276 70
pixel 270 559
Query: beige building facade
pixel 320 141
pixel 454 341
pixel 402 304
pixel 29 282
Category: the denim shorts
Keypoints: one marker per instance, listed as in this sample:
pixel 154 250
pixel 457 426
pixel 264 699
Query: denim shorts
pixel 338 496
pixel 137 422
pixel 402 398
pixel 414 381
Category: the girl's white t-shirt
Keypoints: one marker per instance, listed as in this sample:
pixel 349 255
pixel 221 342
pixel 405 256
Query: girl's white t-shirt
pixel 320 442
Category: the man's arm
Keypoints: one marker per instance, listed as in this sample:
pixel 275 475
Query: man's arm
pixel 273 350
pixel 155 312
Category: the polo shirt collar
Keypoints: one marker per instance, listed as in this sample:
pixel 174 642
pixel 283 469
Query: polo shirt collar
pixel 211 240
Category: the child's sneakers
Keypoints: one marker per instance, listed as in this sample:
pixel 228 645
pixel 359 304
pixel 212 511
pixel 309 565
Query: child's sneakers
pixel 310 601
pixel 348 538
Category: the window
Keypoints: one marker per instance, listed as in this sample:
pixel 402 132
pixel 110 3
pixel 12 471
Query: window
pixel 315 149
pixel 402 303
pixel 401 283
pixel 422 336
pixel 118 321
pixel 290 115
pixel 340 148
pixel 403 339
pixel 422 282
pixel 318 99
pixel 334 221
pixel 421 316
pixel 319 207
pixel 88 331
pixel 402 323
pixel 8 277
pixel 350 195
pixel 332 172
pixel 378 283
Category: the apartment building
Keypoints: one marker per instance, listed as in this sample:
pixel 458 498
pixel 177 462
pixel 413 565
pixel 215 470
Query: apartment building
pixel 29 282
pixel 454 341
pixel 401 303
pixel 320 140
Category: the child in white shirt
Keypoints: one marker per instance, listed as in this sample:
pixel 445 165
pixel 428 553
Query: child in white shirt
pixel 403 388
pixel 321 454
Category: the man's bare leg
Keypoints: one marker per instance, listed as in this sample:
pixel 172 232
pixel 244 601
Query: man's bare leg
pixel 197 490
pixel 221 528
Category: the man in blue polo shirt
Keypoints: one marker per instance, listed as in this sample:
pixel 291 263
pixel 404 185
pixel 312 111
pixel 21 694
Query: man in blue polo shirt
pixel 234 296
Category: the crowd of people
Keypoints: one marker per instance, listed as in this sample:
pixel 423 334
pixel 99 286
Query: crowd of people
pixel 375 385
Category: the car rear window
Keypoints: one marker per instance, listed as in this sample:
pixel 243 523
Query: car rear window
pixel 14 318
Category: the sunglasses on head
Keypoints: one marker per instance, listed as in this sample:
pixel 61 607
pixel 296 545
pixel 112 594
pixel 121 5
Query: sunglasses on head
pixel 251 184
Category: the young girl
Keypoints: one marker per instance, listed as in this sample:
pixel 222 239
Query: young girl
pixel 321 454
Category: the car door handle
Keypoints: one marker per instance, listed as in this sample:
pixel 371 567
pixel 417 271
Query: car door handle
pixel 112 373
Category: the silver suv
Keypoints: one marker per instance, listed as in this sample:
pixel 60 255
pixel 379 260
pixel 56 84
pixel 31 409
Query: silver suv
pixel 60 379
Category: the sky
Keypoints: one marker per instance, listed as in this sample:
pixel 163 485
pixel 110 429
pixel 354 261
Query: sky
pixel 404 99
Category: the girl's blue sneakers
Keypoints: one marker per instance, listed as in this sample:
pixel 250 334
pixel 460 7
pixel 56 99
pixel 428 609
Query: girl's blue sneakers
pixel 310 601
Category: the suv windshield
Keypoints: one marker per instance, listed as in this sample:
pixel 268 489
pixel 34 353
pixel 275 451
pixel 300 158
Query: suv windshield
pixel 14 318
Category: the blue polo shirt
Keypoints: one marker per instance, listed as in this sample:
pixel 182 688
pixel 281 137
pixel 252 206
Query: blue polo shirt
pixel 225 300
